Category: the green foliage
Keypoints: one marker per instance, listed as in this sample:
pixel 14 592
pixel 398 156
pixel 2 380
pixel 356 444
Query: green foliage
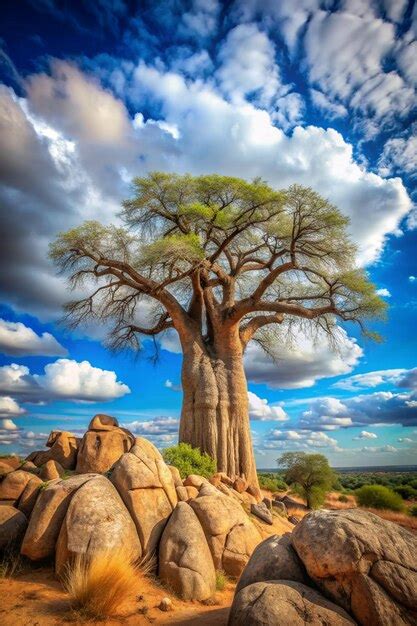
pixel 271 481
pixel 309 474
pixel 351 480
pixel 221 580
pixel 189 460
pixel 379 497
pixel 413 510
pixel 406 491
pixel 174 248
pixel 343 498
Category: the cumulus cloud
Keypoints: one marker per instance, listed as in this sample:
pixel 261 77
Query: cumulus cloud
pixel 8 406
pixel 399 154
pixel 374 409
pixel 161 430
pixel 302 362
pixel 170 385
pixel 299 440
pixel 7 424
pixel 261 410
pixel 364 434
pixel 63 379
pixel 16 339
pixel 370 379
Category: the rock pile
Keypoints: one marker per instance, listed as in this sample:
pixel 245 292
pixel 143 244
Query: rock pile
pixel 336 567
pixel 110 489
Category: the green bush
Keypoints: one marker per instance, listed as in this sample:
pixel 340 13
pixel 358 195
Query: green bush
pixel 379 497
pixel 189 460
pixel 221 580
pixel 343 498
pixel 413 510
pixel 271 482
pixel 406 491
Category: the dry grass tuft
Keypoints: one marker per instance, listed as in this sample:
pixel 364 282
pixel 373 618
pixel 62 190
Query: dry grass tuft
pixel 101 585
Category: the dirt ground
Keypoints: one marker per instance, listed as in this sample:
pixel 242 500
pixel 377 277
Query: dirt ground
pixel 36 598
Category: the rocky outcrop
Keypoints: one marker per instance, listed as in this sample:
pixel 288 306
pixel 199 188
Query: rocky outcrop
pixel 13 485
pixel 147 488
pixel 47 517
pixel 273 559
pixel 229 532
pixel 185 562
pixel 364 563
pixel 12 526
pixel 63 449
pixel 102 445
pixel 96 521
pixel 280 603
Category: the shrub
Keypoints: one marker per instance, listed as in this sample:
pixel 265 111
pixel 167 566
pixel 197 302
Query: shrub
pixel 271 482
pixel 221 580
pixel 406 491
pixel 379 497
pixel 413 510
pixel 99 586
pixel 343 498
pixel 189 460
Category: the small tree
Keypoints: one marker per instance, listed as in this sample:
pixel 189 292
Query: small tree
pixel 310 474
pixel 223 262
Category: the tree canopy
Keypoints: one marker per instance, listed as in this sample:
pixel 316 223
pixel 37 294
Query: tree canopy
pixel 310 474
pixel 198 252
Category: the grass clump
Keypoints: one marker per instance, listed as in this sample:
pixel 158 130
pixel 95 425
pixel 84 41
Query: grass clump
pixel 413 510
pixel 221 580
pixel 343 498
pixel 189 460
pixel 10 561
pixel 99 586
pixel 379 497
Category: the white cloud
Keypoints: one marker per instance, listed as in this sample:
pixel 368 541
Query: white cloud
pixel 16 339
pixel 170 385
pixel 261 410
pixel 364 434
pixel 7 424
pixel 333 110
pixel 162 431
pixel 370 379
pixel 303 362
pixel 412 279
pixel 63 379
pixel 384 293
pixel 405 440
pixel 299 440
pixel 8 406
pixel 382 408
pixel 399 155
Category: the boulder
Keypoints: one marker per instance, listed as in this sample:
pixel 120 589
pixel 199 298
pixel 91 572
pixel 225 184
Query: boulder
pixel 364 563
pixel 240 485
pixel 5 468
pixel 96 521
pixel 192 492
pixel 193 480
pixel 63 449
pixel 290 503
pixel 261 511
pixel 13 485
pixel 176 476
pixel 103 422
pixel 230 534
pixel 51 471
pixel 29 496
pixel 293 519
pixel 279 507
pixel 273 559
pixel 182 494
pixel 279 603
pixel 28 466
pixel 12 526
pixel 254 491
pixel 185 562
pixel 147 488
pixel 268 503
pixel 225 479
pixel 47 516
pixel 100 449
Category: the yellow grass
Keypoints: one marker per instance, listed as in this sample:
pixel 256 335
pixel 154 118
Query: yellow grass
pixel 99 586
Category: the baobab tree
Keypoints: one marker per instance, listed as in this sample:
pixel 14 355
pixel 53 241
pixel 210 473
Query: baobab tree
pixel 223 262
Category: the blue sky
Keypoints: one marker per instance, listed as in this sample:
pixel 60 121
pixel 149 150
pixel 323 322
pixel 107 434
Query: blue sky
pixel 316 92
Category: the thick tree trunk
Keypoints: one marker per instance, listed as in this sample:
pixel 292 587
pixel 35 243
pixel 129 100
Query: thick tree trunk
pixel 215 415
